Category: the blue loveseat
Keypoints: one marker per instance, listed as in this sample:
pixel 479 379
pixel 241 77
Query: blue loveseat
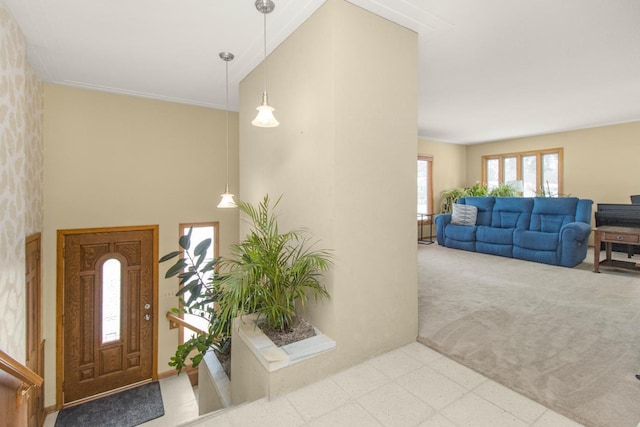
pixel 542 229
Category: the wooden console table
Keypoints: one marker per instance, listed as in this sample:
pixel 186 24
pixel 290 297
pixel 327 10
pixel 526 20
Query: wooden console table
pixel 609 234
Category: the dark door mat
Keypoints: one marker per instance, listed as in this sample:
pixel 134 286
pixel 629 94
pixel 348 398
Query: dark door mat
pixel 128 408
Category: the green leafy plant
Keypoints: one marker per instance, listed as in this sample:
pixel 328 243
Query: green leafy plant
pixel 503 190
pixel 451 196
pixel 478 190
pixel 197 294
pixel 270 272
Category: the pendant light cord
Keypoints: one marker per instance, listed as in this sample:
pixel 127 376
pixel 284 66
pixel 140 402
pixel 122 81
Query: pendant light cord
pixel 227 117
pixel 265 51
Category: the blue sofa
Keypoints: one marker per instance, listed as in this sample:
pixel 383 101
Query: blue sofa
pixel 542 229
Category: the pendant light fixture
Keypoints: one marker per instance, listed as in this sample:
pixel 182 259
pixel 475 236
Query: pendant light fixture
pixel 226 199
pixel 265 118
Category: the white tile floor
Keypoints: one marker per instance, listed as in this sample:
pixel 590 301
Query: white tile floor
pixel 413 386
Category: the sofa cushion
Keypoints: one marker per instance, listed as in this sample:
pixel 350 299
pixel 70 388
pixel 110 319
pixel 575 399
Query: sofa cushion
pixel 537 240
pixel 484 205
pixel 464 214
pixel 502 236
pixel 550 214
pixel 465 233
pixel 512 212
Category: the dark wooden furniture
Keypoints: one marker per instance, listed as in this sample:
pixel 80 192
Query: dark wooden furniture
pixel 425 218
pixel 611 234
pixel 619 215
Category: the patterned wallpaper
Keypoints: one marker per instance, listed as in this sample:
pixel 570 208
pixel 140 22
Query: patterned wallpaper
pixel 21 108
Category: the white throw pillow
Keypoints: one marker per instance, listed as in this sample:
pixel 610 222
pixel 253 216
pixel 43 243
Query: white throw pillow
pixel 464 214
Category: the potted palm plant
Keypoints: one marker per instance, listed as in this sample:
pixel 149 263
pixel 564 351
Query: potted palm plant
pixel 270 274
pixel 268 278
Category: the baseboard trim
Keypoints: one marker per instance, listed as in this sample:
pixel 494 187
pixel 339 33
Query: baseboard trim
pixel 167 374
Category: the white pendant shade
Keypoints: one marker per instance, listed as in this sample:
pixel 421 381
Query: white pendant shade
pixel 265 117
pixel 226 199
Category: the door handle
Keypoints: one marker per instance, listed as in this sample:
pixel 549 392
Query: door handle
pixel 147 316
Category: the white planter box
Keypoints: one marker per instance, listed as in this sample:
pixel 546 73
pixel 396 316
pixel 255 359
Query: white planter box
pixel 261 369
pixel 214 388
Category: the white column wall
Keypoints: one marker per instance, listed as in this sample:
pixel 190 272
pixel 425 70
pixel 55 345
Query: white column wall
pixel 344 86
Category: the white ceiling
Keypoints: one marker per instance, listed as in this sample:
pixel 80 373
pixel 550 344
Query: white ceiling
pixel 489 70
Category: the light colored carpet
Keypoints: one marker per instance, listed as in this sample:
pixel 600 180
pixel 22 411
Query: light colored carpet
pixel 567 338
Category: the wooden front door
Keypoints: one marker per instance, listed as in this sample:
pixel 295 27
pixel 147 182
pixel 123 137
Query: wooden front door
pixel 109 298
pixel 35 348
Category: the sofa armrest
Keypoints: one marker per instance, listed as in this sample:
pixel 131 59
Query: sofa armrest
pixel 441 222
pixel 574 240
pixel 575 232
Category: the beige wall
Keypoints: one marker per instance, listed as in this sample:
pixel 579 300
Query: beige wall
pixel 344 159
pixel 599 163
pixel 449 166
pixel 344 149
pixel 113 160
pixel 21 208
